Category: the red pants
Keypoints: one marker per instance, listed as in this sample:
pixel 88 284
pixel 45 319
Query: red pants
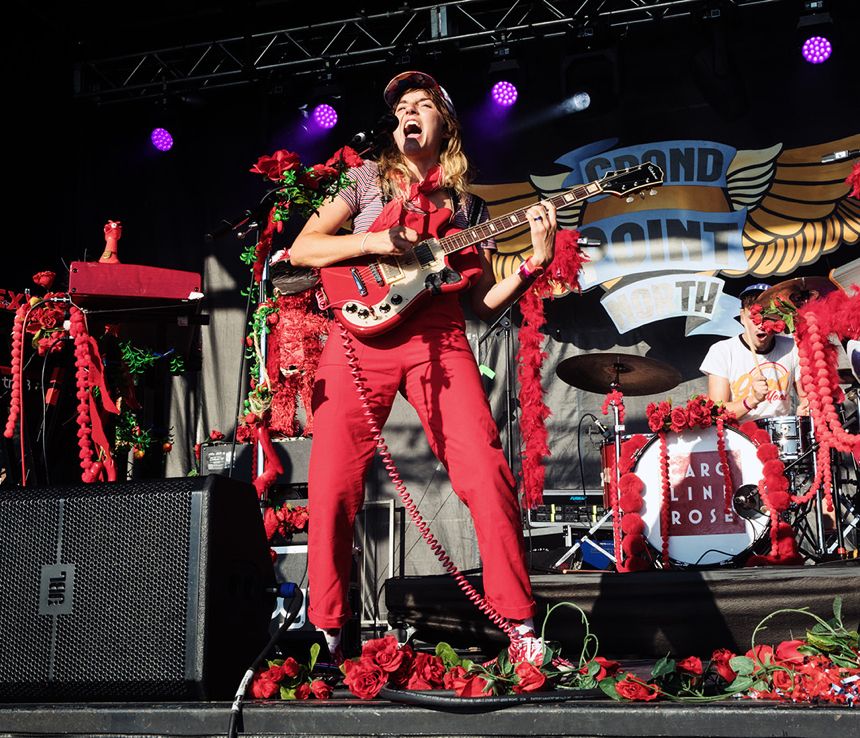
pixel 435 370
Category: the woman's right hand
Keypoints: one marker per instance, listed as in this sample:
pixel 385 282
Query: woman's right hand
pixel 393 242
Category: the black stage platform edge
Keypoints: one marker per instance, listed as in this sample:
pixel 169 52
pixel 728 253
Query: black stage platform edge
pixel 641 615
pixel 352 717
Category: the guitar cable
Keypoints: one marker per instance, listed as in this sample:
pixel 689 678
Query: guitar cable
pixel 450 568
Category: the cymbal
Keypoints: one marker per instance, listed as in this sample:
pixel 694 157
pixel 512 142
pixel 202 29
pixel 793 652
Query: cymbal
pixel 635 375
pixel 798 291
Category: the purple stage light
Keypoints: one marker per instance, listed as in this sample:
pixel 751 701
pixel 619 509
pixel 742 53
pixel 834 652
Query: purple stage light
pixel 161 139
pixel 325 116
pixel 504 93
pixel 817 50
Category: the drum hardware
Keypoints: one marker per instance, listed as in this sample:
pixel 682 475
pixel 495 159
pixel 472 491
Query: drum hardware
pixel 797 291
pixel 747 502
pixel 602 373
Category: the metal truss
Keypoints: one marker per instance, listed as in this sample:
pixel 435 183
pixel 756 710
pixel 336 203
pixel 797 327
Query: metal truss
pixel 363 39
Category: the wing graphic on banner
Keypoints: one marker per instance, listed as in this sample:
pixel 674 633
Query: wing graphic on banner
pixel 800 214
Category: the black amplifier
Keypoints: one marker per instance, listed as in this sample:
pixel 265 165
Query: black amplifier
pixel 567 506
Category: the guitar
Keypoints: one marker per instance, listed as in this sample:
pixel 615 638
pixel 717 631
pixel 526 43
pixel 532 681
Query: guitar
pixel 372 294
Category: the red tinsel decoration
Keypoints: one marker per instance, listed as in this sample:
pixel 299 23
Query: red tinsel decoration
pixel 853 181
pixel 17 352
pixel 564 270
pixel 665 503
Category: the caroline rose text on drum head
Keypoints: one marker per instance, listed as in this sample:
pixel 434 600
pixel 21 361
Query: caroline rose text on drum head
pixel 701 532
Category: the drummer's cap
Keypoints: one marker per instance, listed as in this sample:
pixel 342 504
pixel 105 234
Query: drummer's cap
pixel 750 293
pixel 411 80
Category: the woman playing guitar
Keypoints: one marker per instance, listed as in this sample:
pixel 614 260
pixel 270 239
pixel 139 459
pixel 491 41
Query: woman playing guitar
pixel 417 190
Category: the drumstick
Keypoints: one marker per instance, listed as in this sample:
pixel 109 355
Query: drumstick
pixel 750 345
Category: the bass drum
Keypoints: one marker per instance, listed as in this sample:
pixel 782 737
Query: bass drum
pixel 701 532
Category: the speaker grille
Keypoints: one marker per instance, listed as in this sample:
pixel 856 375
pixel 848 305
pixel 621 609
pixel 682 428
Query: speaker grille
pixel 136 589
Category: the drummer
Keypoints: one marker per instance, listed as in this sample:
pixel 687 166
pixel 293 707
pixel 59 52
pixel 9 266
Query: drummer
pixel 753 373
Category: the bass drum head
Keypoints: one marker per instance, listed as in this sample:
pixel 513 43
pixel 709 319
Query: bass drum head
pixel 701 532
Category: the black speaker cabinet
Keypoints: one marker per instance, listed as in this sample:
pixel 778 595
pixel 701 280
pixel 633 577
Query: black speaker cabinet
pixel 131 590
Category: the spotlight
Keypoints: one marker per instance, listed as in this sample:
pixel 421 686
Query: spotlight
pixel 579 101
pixel 325 116
pixel 161 139
pixel 505 78
pixel 817 49
pixel 504 93
pixel 815 28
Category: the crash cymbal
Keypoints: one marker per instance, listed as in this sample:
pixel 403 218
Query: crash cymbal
pixel 635 375
pixel 798 291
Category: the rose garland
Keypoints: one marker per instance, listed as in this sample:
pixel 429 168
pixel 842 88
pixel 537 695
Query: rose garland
pixel 853 181
pixel 564 270
pixel 701 412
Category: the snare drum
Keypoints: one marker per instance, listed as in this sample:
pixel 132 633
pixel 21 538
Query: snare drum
pixel 701 533
pixel 793 436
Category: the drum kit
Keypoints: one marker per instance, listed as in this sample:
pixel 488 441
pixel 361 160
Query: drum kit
pixel 703 534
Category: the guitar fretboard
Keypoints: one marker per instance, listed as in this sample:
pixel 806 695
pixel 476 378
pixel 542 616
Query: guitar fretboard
pixel 496 226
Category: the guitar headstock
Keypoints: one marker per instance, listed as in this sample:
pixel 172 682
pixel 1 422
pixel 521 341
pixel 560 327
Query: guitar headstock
pixel 624 181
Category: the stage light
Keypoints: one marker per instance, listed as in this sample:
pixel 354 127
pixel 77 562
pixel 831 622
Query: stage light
pixel 504 93
pixel 325 116
pixel 161 139
pixel 815 28
pixel 817 49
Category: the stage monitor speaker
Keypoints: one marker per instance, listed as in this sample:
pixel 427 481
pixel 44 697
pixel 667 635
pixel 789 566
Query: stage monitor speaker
pixel 132 591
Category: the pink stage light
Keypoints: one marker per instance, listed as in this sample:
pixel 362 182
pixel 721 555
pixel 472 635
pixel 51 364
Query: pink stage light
pixel 161 139
pixel 817 50
pixel 325 116
pixel 504 93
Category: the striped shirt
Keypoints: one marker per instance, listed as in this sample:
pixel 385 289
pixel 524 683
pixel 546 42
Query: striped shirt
pixel 364 201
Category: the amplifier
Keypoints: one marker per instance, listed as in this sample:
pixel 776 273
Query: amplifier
pixel 565 507
pixel 294 453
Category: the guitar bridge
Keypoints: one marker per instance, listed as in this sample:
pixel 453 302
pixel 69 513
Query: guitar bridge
pixel 377 274
pixel 359 282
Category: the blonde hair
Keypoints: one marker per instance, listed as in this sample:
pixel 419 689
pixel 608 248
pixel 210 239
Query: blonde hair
pixel 456 168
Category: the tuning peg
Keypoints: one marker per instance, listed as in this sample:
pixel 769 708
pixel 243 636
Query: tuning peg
pixel 630 198
pixel 653 192
pixel 642 195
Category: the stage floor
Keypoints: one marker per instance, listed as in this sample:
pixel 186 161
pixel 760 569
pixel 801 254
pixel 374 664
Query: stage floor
pixel 353 717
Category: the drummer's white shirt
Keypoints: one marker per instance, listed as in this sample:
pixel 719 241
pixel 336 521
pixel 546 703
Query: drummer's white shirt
pixel 732 360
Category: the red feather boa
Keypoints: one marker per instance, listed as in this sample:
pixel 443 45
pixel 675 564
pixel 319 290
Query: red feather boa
pixel 564 270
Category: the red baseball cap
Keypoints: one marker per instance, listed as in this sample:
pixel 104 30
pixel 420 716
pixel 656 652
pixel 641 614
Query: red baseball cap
pixel 409 80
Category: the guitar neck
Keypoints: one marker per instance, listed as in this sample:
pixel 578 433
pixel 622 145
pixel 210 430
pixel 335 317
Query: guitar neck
pixel 504 223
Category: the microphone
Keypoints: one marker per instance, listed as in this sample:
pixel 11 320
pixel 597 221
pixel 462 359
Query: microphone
pixel 839 156
pixel 604 431
pixel 386 124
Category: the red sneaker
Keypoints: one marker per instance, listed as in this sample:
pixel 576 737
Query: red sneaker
pixel 527 647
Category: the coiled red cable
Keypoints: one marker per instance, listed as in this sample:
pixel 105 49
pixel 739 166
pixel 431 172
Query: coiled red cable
pixel 410 506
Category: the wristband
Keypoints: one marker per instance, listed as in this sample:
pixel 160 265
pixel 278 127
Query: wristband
pixel 362 242
pixel 527 271
pixel 745 404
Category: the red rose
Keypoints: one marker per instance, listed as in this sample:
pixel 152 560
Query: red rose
pixel 364 678
pixel 720 661
pixel 531 679
pixel 690 665
pixel 607 668
pixel 679 419
pixel 215 435
pixel 631 688
pixel 696 413
pixel 275 166
pixel 262 687
pixel 384 652
pixel 347 156
pixel 783 680
pixel 320 689
pixel 787 653
pixel 465 684
pixel 303 692
pixel 763 654
pixel 755 309
pixel 428 669
pixel 44 279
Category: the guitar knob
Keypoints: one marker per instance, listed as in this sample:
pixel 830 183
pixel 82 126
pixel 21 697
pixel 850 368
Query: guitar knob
pixel 363 313
pixel 384 307
pixel 350 307
pixel 396 299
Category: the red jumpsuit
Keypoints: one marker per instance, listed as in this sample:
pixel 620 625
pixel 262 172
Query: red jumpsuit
pixel 428 359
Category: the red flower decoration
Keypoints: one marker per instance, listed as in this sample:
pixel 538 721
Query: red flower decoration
pixel 631 688
pixel 44 279
pixel 275 166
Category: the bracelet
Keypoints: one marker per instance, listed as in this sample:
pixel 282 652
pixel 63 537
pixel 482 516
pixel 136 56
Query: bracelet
pixel 362 242
pixel 745 404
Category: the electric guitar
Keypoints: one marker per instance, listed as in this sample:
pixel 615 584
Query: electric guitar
pixel 372 294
